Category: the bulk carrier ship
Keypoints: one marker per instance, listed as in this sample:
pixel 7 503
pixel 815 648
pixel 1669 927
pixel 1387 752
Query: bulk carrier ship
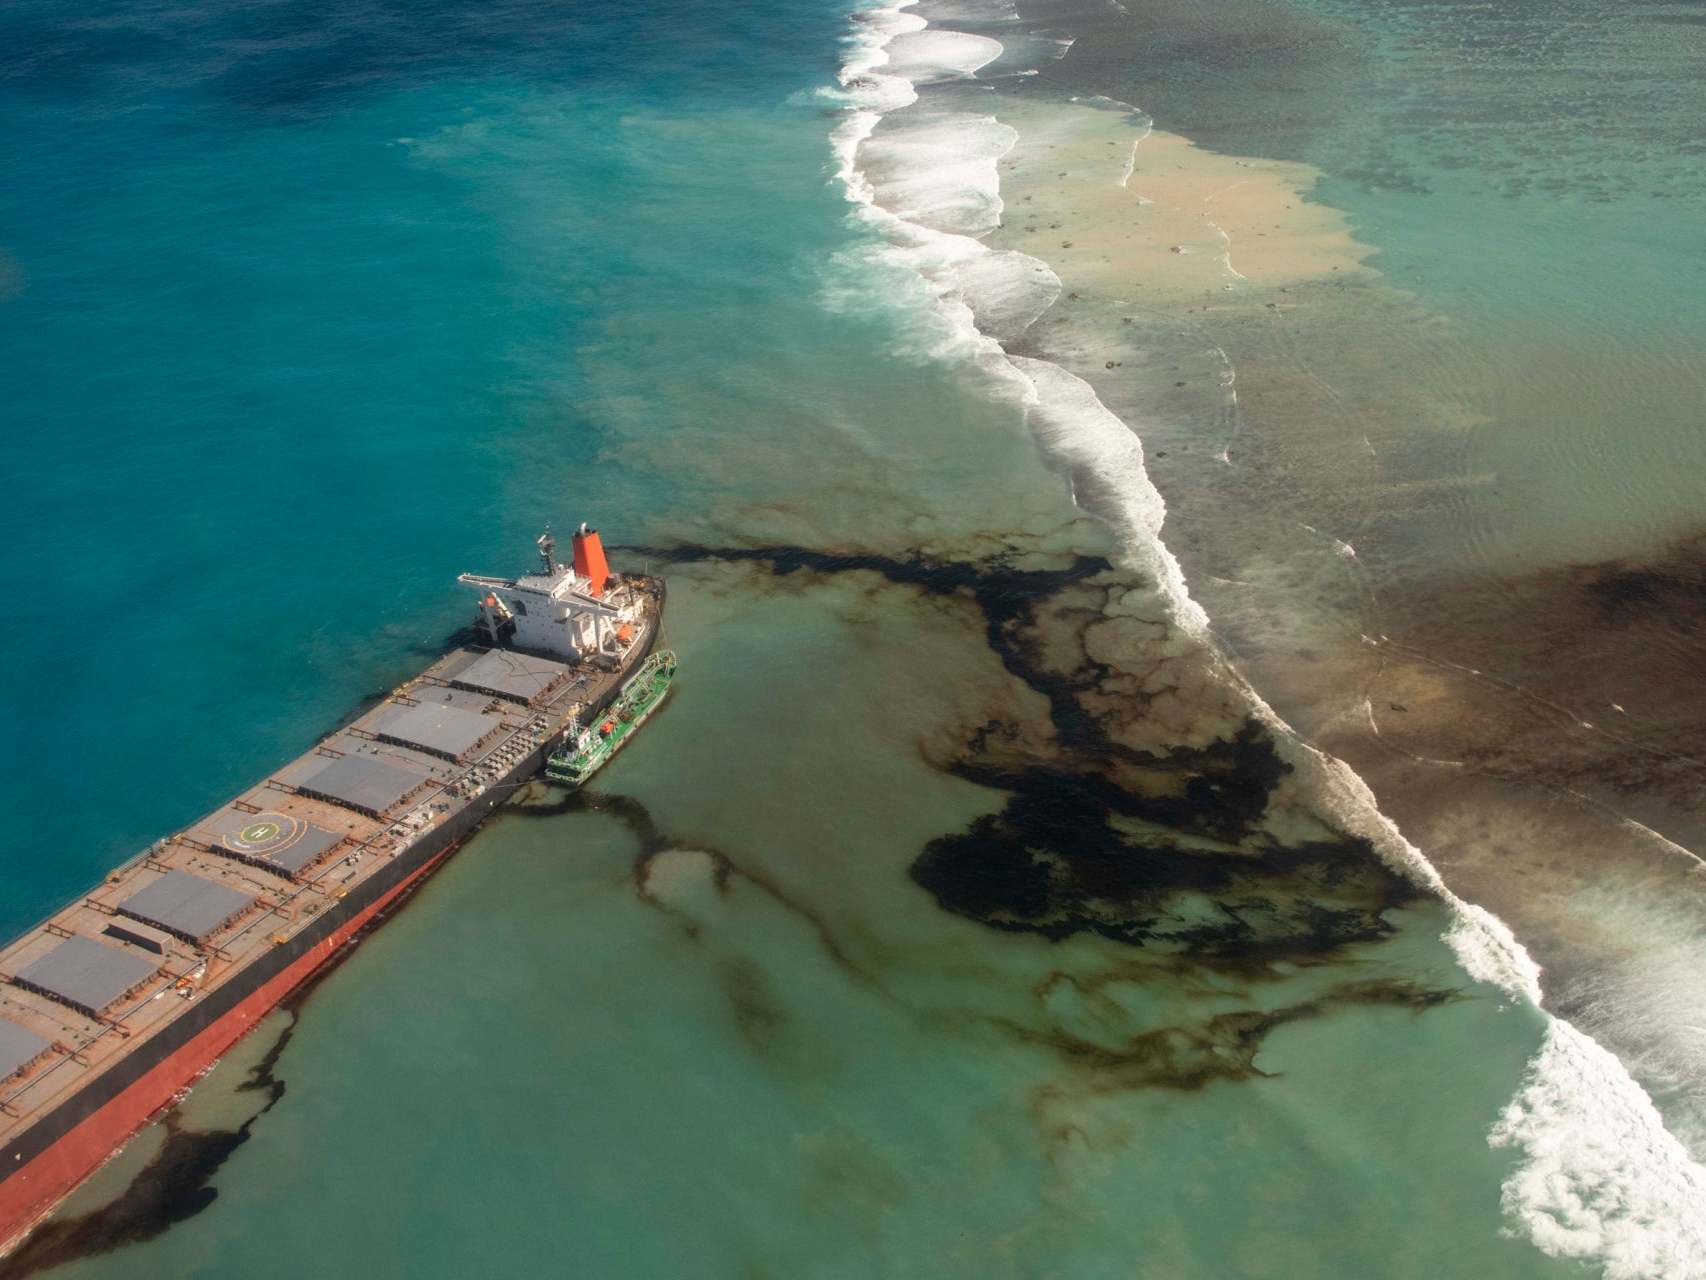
pixel 118 1001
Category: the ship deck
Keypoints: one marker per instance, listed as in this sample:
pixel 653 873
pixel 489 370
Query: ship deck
pixel 95 981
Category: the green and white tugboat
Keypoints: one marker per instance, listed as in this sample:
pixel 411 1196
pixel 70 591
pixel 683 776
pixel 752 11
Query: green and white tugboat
pixel 585 754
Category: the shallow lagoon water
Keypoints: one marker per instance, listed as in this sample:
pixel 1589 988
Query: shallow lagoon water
pixel 812 1070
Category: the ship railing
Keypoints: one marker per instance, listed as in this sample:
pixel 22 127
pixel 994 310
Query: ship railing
pixel 400 829
pixel 78 1052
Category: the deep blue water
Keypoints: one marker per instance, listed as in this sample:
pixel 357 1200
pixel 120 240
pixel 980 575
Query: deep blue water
pixel 296 326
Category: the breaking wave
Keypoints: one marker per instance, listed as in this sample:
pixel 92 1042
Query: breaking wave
pixel 1597 1175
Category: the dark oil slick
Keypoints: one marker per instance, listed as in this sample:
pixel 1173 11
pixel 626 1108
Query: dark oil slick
pixel 1066 854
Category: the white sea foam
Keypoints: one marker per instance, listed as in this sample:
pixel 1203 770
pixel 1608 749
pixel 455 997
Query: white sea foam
pixel 1597 1175
pixel 1105 460
pixel 940 174
pixel 930 56
pixel 1006 291
pixel 930 188
pixel 1600 1178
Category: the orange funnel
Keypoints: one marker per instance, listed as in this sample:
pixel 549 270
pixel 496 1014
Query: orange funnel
pixel 589 559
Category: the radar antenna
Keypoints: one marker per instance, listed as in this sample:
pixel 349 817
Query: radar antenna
pixel 548 551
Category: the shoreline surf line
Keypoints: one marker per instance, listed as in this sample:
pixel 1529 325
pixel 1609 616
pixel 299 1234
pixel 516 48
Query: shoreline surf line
pixel 1597 1170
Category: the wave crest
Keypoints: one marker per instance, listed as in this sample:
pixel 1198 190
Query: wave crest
pixel 1598 1176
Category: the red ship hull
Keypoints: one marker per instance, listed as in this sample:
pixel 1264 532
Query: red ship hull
pixel 73 1135
pixel 29 1193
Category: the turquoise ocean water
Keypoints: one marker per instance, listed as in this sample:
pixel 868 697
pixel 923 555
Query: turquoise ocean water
pixel 302 316
pixel 307 308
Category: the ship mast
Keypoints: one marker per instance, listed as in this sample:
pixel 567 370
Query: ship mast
pixel 558 610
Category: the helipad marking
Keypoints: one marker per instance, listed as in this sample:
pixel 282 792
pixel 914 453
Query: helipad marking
pixel 269 833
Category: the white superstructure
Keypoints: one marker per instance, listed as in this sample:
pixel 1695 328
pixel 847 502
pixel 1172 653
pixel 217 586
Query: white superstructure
pixel 575 611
